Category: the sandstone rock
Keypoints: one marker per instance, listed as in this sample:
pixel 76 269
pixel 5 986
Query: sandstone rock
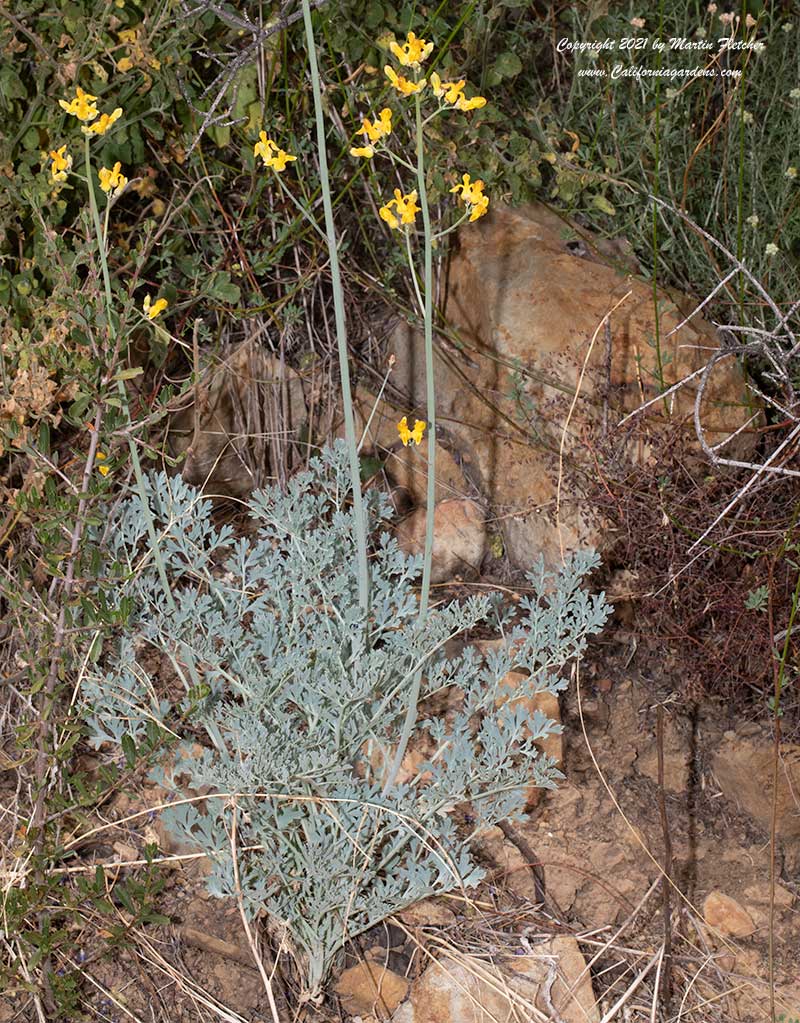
pixel 744 770
pixel 459 538
pixel 553 978
pixel 249 410
pixel 527 312
pixel 428 913
pixel 369 989
pixel 517 875
pixel 760 894
pixel 725 915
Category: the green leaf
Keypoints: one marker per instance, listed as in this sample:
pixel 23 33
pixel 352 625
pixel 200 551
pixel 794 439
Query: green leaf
pixel 601 203
pixel 221 288
pixel 128 374
pixel 220 134
pixel 507 65
pixel 129 749
pixel 374 15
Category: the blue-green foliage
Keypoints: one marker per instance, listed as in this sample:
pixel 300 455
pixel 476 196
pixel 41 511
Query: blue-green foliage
pixel 303 701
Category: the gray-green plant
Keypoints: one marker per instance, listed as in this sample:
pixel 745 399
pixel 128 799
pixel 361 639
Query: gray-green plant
pixel 303 699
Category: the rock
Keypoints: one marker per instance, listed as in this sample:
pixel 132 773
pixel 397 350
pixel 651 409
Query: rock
pixel 760 894
pixel 517 875
pixel 459 538
pixel 428 913
pixel 528 315
pixel 250 410
pixel 553 978
pixel 725 915
pixel 369 989
pixel 744 771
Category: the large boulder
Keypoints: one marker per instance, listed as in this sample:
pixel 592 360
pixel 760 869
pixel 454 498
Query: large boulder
pixel 525 313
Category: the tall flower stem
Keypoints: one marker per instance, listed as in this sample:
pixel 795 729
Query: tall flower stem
pixel 137 465
pixel 338 309
pixel 430 396
pixel 141 486
pixel 430 412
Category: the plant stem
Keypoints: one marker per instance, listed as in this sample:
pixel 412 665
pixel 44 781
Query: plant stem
pixel 137 466
pixel 341 330
pixel 413 696
pixel 430 385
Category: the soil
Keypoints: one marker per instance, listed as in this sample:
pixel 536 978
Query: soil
pixel 597 843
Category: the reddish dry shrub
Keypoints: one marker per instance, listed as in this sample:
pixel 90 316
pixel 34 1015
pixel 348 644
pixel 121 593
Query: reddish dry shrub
pixel 696 607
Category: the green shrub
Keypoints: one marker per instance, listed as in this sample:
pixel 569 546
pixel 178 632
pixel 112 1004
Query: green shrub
pixel 303 700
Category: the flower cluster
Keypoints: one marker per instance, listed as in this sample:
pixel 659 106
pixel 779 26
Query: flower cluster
pixel 153 309
pixel 272 155
pixel 407 435
pixel 83 106
pixel 374 132
pixel 472 194
pixel 402 209
pixel 412 52
pixel 112 181
pixel 103 123
pixel 405 209
pixel 61 164
pixel 403 85
pixel 453 94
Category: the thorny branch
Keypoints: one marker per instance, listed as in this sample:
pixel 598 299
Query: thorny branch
pixel 233 61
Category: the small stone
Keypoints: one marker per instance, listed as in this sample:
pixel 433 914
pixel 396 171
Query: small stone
pixel 368 989
pixel 725 915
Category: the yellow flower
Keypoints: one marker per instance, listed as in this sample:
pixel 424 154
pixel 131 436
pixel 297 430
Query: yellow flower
pixel 374 132
pixel 62 164
pixel 112 181
pixel 102 469
pixel 470 104
pixel 385 213
pixel 412 52
pixel 453 94
pixel 406 209
pixel 82 106
pixel 137 54
pixel 403 85
pixel 451 91
pixel 378 130
pixel 151 311
pixel 472 194
pixel 102 124
pixel 407 435
pixel 278 159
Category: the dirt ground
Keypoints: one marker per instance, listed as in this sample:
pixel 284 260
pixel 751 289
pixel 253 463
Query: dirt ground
pixel 597 844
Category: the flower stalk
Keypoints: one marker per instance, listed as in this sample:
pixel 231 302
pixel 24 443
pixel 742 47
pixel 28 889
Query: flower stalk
pixel 339 320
